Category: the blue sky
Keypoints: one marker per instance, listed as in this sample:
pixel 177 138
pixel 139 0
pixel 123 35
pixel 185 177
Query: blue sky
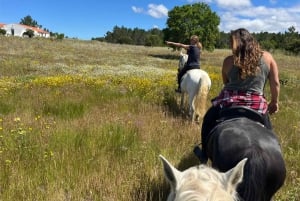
pixel 85 19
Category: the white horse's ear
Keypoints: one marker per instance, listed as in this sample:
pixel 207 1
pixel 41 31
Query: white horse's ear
pixel 170 172
pixel 235 175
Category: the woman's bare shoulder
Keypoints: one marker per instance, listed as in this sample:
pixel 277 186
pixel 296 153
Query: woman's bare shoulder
pixel 267 55
pixel 268 58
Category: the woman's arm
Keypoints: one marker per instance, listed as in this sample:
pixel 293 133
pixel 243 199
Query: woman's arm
pixel 274 83
pixel 177 44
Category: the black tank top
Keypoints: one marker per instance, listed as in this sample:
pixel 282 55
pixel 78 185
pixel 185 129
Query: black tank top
pixel 194 56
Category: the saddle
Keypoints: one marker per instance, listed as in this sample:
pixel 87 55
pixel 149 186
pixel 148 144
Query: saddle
pixel 240 111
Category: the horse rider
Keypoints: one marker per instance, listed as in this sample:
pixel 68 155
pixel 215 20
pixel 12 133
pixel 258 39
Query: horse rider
pixel 193 62
pixel 244 74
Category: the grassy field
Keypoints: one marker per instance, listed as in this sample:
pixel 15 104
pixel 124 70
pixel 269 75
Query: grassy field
pixel 86 121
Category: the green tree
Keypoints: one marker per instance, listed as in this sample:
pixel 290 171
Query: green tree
pixel 154 37
pixel 60 36
pixel 136 36
pixel 266 40
pixel 193 19
pixel 2 31
pixel 29 33
pixel 223 41
pixel 153 40
pixel 293 46
pixel 29 21
pixel 292 41
pixel 119 35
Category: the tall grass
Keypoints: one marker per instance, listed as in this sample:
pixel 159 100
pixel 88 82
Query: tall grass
pixel 84 120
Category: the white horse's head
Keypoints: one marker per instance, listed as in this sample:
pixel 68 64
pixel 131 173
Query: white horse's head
pixel 182 60
pixel 203 183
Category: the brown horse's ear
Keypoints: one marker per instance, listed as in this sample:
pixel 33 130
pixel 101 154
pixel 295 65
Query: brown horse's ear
pixel 170 172
pixel 235 175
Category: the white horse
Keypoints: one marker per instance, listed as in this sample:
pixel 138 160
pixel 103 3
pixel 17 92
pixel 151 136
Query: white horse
pixel 196 83
pixel 203 183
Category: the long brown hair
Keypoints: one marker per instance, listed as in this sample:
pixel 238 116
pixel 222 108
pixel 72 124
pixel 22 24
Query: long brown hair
pixel 246 52
pixel 196 40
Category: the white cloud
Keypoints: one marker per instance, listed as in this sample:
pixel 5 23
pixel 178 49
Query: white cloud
pixel 259 18
pixel 199 1
pixel 136 9
pixel 233 3
pixel 294 9
pixel 157 11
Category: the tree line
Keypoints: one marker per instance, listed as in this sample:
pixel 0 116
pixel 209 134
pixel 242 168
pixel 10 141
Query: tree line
pixel 198 19
pixel 288 41
pixel 136 36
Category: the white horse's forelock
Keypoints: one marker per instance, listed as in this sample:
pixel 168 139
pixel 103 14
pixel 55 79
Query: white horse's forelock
pixel 203 183
pixel 211 188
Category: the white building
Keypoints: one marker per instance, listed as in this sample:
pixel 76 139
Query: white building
pixel 20 29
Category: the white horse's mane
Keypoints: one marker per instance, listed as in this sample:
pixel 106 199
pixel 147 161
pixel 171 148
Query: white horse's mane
pixel 203 183
pixel 182 60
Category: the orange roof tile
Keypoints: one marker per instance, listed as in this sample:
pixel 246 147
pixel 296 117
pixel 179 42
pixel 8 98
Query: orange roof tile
pixel 34 28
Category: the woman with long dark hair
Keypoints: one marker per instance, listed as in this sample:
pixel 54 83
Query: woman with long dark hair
pixel 244 74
